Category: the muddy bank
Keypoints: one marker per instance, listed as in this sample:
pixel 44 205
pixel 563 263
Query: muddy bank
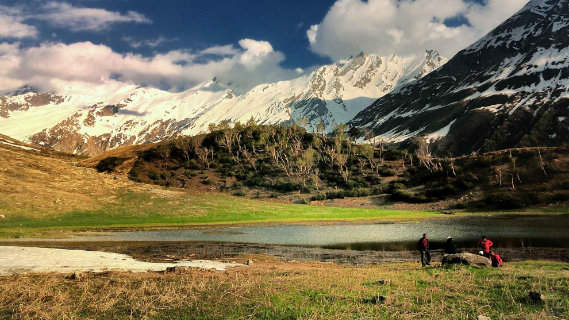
pixel 177 251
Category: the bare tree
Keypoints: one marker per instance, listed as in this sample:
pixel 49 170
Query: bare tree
pixel 183 144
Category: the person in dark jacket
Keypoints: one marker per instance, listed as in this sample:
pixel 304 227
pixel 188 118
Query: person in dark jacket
pixel 424 248
pixel 450 247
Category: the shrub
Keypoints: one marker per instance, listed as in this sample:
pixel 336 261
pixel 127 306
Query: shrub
pixel 559 197
pixel 504 200
pixel 407 196
pixel 239 193
pixel 109 164
pixel 395 186
pixel 153 175
pixel 386 172
pixel 441 192
pixel 318 197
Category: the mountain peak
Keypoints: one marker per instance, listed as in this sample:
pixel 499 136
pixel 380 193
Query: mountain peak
pixel 508 89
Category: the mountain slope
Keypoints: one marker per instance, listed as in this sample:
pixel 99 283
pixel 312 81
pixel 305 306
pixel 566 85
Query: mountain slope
pixel 91 119
pixel 510 88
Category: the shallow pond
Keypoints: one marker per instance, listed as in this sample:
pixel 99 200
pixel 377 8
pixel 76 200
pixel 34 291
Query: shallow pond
pixel 506 231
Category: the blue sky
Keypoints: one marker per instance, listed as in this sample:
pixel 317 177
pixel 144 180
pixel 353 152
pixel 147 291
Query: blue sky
pixel 177 44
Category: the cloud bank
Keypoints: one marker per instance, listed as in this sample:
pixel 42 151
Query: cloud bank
pixel 49 64
pixel 405 27
pixel 15 22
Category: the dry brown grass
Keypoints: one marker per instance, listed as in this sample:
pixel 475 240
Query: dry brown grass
pixel 272 289
pixel 33 182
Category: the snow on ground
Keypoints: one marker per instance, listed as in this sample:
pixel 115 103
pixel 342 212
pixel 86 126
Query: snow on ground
pixel 16 145
pixel 28 259
pixel 442 132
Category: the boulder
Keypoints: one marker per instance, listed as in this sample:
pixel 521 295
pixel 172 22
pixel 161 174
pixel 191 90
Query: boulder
pixel 466 259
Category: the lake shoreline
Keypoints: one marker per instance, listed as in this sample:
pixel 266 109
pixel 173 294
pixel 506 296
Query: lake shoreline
pixel 171 251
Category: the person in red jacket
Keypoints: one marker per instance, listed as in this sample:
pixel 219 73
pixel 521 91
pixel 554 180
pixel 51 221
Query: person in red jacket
pixel 496 260
pixel 425 250
pixel 485 245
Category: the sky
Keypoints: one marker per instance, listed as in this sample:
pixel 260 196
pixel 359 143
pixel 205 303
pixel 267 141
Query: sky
pixel 175 45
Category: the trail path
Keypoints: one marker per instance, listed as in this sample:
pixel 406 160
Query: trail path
pixel 15 260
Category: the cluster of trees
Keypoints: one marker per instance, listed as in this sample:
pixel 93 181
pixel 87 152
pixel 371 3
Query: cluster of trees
pixel 254 152
pixel 288 158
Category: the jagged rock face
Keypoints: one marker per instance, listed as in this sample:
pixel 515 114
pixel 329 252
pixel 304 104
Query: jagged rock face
pixel 510 88
pixel 91 120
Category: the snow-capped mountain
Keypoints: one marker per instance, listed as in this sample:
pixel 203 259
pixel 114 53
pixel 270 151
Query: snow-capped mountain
pixel 510 88
pixel 91 119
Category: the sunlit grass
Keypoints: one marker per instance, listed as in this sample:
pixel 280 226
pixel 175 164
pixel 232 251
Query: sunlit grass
pixel 270 289
pixel 139 209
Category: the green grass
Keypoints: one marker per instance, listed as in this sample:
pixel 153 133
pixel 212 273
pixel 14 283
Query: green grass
pixel 147 210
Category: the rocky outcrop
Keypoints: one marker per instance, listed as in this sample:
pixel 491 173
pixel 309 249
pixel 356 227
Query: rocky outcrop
pixel 468 259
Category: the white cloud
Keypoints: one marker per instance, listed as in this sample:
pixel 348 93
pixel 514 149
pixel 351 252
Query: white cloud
pixel 405 27
pixel 49 63
pixel 11 25
pixel 15 21
pixel 311 33
pixel 151 43
pixel 226 50
pixel 80 19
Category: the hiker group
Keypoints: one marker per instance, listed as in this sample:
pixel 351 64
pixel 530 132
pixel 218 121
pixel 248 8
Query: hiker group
pixel 484 244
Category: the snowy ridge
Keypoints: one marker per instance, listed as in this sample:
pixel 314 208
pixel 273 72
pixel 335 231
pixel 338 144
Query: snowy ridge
pixel 89 119
pixel 504 90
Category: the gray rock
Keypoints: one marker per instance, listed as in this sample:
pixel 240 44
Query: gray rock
pixel 466 259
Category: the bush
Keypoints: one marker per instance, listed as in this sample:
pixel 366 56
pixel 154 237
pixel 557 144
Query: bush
pixel 407 196
pixel 239 193
pixel 109 164
pixel 318 197
pixel 504 200
pixel 153 175
pixel 442 192
pixel 559 197
pixel 286 186
pixel 386 172
pixel 393 187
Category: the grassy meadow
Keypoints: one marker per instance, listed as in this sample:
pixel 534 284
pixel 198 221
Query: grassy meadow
pixel 271 289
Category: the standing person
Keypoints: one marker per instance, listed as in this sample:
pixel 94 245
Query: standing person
pixel 450 247
pixel 424 249
pixel 485 245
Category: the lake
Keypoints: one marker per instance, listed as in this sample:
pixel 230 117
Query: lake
pixel 508 231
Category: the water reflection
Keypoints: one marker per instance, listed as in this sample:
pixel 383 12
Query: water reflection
pixel 505 231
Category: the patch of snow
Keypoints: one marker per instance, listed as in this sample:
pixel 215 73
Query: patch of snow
pixel 442 132
pixel 17 146
pixel 15 260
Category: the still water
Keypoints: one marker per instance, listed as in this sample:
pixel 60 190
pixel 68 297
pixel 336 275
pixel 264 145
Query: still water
pixel 505 231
